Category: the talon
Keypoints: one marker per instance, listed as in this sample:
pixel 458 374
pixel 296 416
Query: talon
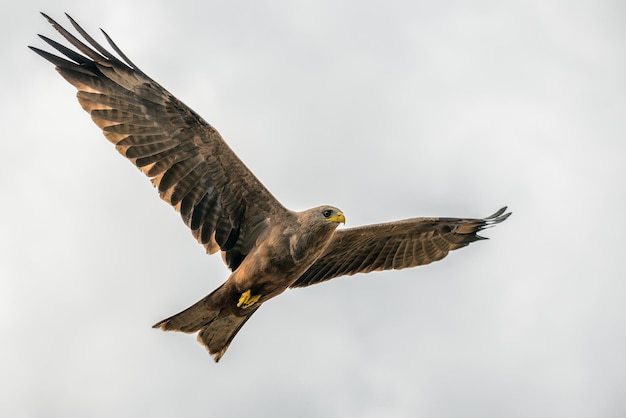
pixel 246 300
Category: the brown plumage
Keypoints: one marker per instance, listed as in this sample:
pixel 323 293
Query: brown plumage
pixel 268 247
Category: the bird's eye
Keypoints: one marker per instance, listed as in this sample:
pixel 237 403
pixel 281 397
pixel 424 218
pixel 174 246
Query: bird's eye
pixel 327 213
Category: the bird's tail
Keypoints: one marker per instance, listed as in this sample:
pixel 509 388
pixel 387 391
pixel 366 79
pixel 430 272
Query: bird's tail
pixel 217 326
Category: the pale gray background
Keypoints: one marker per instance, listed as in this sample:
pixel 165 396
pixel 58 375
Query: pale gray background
pixel 386 109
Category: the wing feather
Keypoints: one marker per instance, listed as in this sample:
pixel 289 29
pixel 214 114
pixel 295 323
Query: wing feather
pixel 395 245
pixel 186 184
pixel 193 168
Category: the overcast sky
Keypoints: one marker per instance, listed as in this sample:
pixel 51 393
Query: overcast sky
pixel 385 109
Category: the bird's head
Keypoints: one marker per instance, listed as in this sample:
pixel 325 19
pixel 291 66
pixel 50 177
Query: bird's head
pixel 323 216
pixel 332 214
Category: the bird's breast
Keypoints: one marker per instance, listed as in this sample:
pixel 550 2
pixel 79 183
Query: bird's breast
pixel 276 263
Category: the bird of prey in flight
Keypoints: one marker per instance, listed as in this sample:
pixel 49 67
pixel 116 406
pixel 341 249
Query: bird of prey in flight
pixel 268 247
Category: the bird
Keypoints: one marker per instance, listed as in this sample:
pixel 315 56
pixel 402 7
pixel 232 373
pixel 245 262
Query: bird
pixel 267 247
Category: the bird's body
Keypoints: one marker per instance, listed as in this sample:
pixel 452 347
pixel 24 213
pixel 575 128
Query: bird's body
pixel 268 247
pixel 281 256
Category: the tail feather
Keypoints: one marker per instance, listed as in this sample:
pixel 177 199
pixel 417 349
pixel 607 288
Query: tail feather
pixel 190 320
pixel 216 325
pixel 217 336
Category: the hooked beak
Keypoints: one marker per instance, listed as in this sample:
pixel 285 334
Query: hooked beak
pixel 339 218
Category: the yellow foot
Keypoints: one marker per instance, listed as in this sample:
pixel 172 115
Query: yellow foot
pixel 246 300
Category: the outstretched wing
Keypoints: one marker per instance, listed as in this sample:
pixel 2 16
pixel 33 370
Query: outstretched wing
pixel 394 245
pixel 193 168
